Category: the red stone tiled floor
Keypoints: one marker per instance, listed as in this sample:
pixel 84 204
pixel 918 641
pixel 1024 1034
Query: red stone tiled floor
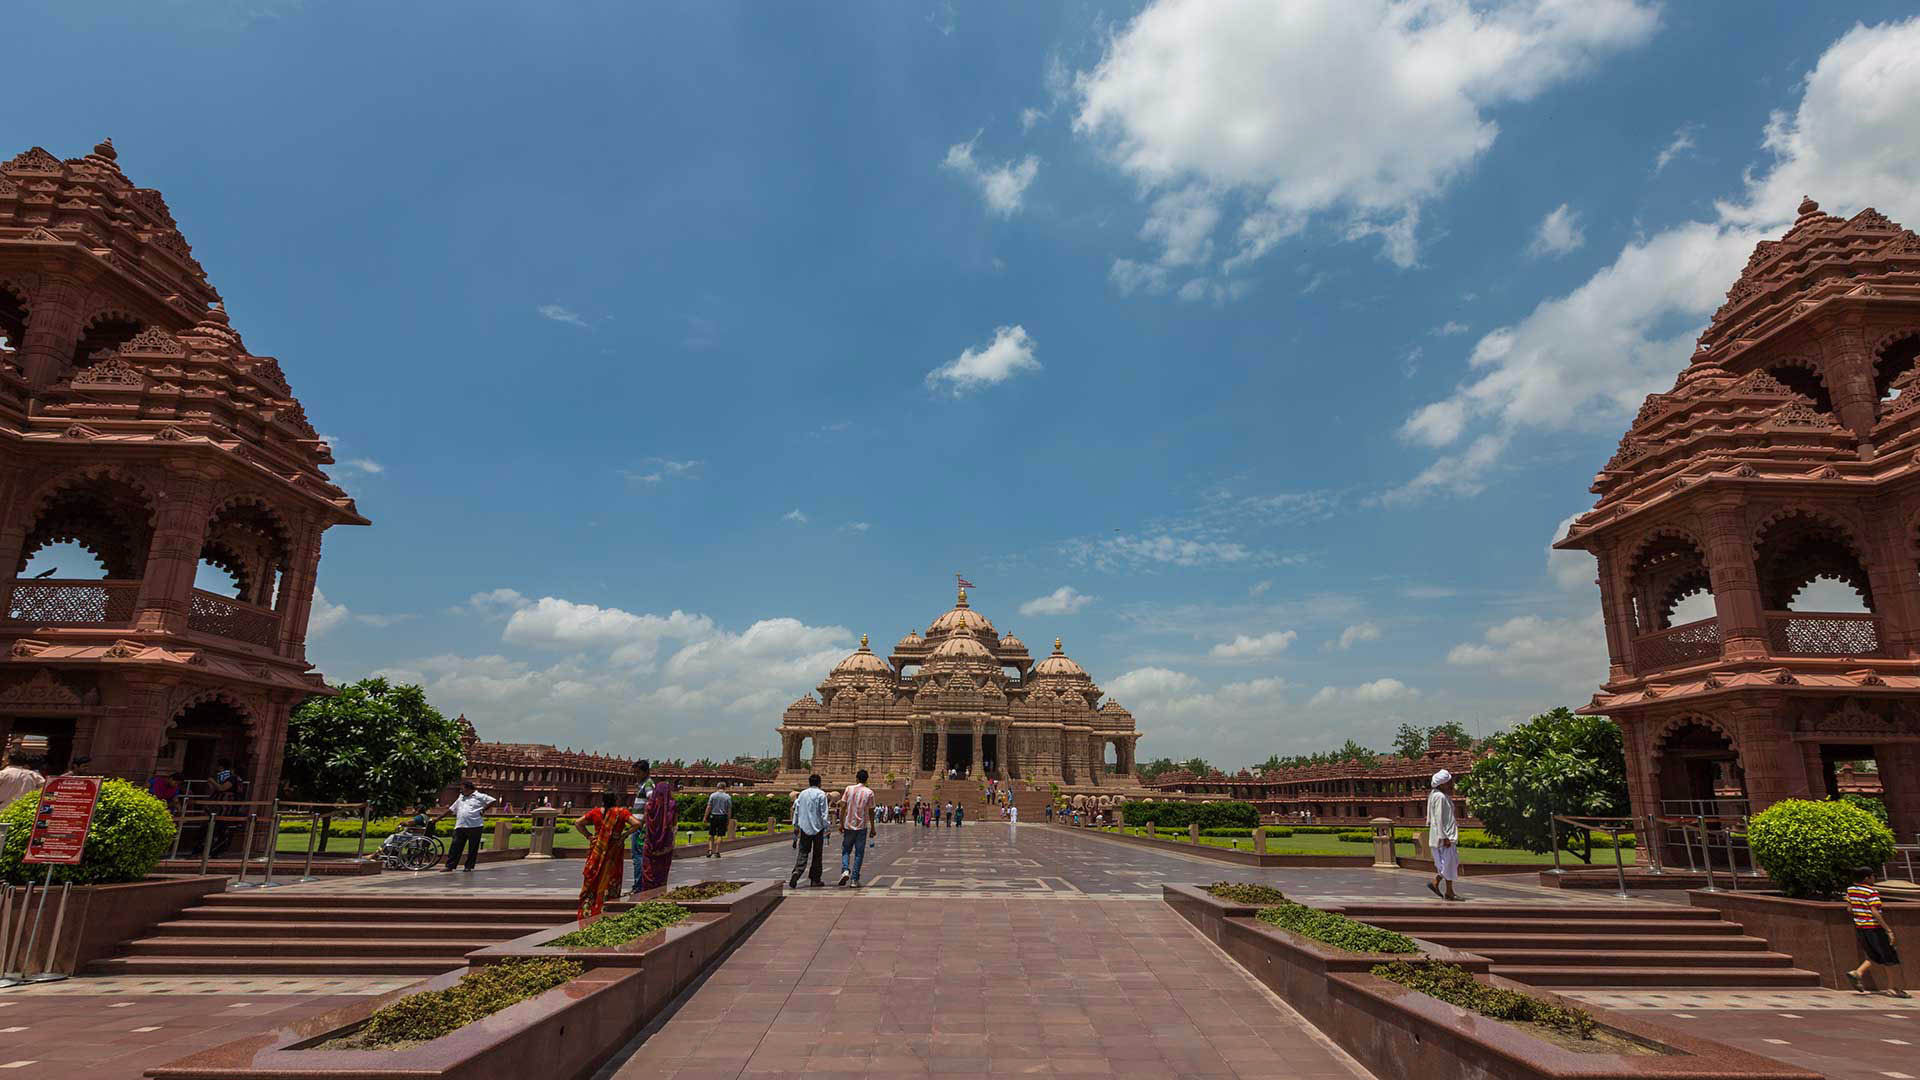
pixel 110 1037
pixel 831 985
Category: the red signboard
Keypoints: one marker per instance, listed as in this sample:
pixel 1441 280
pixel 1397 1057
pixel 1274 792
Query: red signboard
pixel 60 828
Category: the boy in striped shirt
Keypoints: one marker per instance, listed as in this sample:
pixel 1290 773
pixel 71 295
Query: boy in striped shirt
pixel 856 813
pixel 1876 937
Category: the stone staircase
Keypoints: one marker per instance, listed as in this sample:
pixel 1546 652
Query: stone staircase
pixel 1624 945
pixel 349 932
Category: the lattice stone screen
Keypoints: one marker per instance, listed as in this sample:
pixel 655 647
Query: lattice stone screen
pixel 1794 634
pixel 84 603
pixel 231 619
pixel 1679 645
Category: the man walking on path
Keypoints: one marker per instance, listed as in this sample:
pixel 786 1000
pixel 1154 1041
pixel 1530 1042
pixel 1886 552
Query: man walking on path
pixel 959 814
pixel 1443 835
pixel 469 815
pixel 856 804
pixel 719 812
pixel 809 833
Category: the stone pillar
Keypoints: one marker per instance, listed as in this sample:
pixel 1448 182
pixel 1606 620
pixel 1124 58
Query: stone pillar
pixel 1736 584
pixel 540 844
pixel 733 825
pixel 1193 832
pixel 1896 588
pixel 1383 844
pixel 1900 788
pixel 1848 373
pixel 128 742
pixel 1616 616
pixel 1768 757
pixel 54 321
pixel 295 603
pixel 1260 840
pixel 976 765
pixel 180 530
pixel 502 834
pixel 16 486
pixel 940 750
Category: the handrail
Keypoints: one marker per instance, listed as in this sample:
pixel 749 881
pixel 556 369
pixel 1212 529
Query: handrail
pixel 1613 828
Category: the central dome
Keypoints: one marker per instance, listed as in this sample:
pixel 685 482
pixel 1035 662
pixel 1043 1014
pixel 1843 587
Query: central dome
pixel 962 616
pixel 961 651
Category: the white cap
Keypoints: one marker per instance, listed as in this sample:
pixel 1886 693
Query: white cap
pixel 1441 777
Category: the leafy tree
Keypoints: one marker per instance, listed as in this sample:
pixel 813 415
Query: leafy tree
pixel 1272 764
pixel 1354 752
pixel 371 742
pixel 1197 766
pixel 1410 741
pixel 1154 768
pixel 1453 728
pixel 1555 763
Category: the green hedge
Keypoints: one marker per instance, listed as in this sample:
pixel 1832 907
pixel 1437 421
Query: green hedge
pixel 485 991
pixel 747 806
pixel 1336 930
pixel 130 833
pixel 1247 892
pixel 1811 849
pixel 636 922
pixel 1456 985
pixel 1179 815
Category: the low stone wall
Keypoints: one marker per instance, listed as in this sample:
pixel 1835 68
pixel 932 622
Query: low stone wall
pixel 1818 934
pixel 692 851
pixel 565 1033
pixel 1401 1034
pixel 1468 869
pixel 100 917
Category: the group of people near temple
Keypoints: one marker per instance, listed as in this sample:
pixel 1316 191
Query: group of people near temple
pixel 814 813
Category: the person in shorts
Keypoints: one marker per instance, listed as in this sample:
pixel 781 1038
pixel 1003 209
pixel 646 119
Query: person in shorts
pixel 1875 936
pixel 719 811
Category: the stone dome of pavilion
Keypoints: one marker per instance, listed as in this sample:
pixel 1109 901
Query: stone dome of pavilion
pixel 962 615
pixel 912 641
pixel 861 667
pixel 1060 666
pixel 962 652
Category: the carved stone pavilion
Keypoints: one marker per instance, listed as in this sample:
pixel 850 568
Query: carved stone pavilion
pixel 965 698
pixel 1787 452
pixel 135 424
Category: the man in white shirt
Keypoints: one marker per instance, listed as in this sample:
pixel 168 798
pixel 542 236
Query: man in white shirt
pixel 809 833
pixel 469 816
pixel 856 806
pixel 17 780
pixel 1443 835
pixel 719 811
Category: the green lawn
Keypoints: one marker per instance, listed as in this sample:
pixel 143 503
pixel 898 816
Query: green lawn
pixel 295 844
pixel 1329 844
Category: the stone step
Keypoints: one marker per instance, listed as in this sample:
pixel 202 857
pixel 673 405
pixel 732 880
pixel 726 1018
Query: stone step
pixel 1569 914
pixel 1539 957
pixel 350 931
pixel 277 965
pixel 1577 975
pixel 236 948
pixel 1488 938
pixel 1425 925
pixel 424 914
pixel 377 898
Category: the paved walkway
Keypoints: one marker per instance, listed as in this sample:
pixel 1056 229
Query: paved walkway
pixel 842 988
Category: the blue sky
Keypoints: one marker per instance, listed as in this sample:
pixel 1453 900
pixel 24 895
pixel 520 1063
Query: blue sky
pixel 1257 350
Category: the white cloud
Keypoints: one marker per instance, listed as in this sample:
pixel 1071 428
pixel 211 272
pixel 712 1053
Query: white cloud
pixel 1064 600
pixel 1367 693
pixel 493 604
pixel 1682 142
pixel 1130 277
pixel 1450 328
pixel 1356 110
pixel 1357 633
pixel 1259 588
pixel 1003 186
pixel 553 623
pixel 1009 353
pixel 325 615
pixel 1558 233
pixel 653 472
pixel 795 515
pixel 857 526
pixel 1567 655
pixel 562 315
pixel 365 465
pixel 1572 571
pixel 1114 552
pixel 1248 647
pixel 1589 357
pixel 1150 683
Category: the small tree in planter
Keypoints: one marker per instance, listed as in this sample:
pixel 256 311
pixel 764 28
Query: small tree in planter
pixel 1811 849
pixel 130 832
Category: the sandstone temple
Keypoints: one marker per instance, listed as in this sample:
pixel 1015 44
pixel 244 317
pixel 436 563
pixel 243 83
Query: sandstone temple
pixel 136 425
pixel 1787 453
pixel 964 699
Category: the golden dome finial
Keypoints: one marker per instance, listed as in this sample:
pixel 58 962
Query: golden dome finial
pixel 1056 644
pixel 863 641
pixel 962 601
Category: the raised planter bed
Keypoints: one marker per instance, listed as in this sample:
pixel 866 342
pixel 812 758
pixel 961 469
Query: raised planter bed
pixel 1818 934
pixel 566 1032
pixel 100 917
pixel 1399 1034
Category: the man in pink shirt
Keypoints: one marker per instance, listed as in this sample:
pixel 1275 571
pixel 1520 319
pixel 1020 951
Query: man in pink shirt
pixel 856 815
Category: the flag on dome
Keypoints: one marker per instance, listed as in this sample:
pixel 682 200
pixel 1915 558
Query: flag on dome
pixel 962 581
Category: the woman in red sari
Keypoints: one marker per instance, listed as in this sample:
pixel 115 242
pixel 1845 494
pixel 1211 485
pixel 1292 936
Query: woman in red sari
pixel 662 823
pixel 606 826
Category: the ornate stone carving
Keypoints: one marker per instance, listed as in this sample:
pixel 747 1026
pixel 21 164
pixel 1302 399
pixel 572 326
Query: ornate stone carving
pixel 35 160
pixel 43 691
pixel 111 372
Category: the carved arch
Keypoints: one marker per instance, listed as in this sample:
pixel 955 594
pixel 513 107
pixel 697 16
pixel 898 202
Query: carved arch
pixel 1893 356
pixel 1804 375
pixel 15 310
pixel 1658 743
pixel 103 509
pixel 105 330
pixel 190 696
pixel 1798 544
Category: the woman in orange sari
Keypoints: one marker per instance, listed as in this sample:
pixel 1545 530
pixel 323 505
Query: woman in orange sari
pixel 606 827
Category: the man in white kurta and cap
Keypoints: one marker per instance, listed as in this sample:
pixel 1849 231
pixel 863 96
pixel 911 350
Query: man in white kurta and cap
pixel 1443 835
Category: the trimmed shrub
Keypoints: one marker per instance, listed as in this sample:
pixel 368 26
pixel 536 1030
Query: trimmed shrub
pixel 1810 849
pixel 1179 815
pixel 636 922
pixel 131 832
pixel 1456 985
pixel 1336 930
pixel 485 991
pixel 747 806
pixel 1365 836
pixel 705 890
pixel 1247 892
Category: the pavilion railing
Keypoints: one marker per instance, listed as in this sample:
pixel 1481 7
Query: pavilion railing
pixel 229 618
pixel 1798 633
pixel 55 602
pixel 1683 644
